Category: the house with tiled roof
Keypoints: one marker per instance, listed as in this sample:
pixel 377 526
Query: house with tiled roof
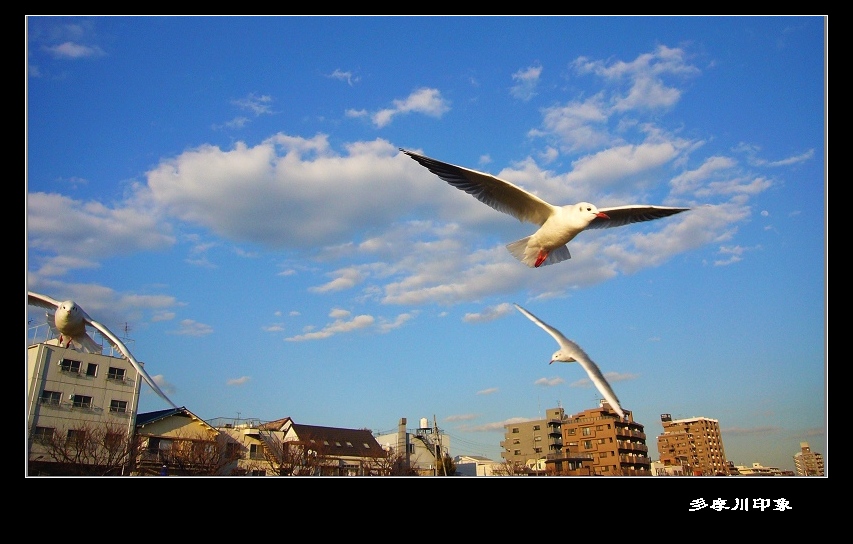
pixel 176 442
pixel 284 447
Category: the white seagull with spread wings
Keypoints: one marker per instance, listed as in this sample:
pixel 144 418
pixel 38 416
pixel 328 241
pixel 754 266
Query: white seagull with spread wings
pixel 558 225
pixel 570 352
pixel 71 321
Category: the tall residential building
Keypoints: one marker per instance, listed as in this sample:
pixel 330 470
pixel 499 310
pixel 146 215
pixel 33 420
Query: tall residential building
pixel 617 447
pixel 77 401
pixel 593 442
pixel 807 462
pixel 530 442
pixel 694 443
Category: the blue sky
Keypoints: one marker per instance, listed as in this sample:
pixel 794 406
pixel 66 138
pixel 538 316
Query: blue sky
pixel 228 194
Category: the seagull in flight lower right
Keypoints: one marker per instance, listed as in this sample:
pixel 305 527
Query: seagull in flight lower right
pixel 570 352
pixel 558 225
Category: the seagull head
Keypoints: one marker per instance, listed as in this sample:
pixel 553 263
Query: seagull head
pixel 561 357
pixel 589 210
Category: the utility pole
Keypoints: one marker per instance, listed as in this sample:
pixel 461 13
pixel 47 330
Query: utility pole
pixel 439 454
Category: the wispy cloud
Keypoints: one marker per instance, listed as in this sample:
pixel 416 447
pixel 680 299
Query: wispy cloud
pixel 424 100
pixel 344 76
pixel 526 81
pixel 188 327
pixel 71 50
pixel 338 326
pixel 549 382
pixel 489 314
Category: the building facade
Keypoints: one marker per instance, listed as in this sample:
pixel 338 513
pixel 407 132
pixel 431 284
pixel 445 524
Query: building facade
pixel 286 448
pixel 81 411
pixel 420 450
pixel 807 462
pixel 616 446
pixel 590 443
pixel 475 465
pixel 529 443
pixel 693 443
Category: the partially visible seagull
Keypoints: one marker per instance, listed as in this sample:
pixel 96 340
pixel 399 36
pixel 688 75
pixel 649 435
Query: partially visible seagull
pixel 570 352
pixel 558 224
pixel 71 321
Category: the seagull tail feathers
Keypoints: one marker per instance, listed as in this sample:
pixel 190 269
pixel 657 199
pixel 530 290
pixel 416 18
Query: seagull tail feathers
pixel 528 254
pixel 522 252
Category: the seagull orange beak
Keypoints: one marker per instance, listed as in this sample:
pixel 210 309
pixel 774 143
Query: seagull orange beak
pixel 602 215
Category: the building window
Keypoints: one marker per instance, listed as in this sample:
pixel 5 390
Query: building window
pixel 599 427
pixel 76 437
pixel 69 365
pixel 50 397
pixel 602 441
pixel 516 441
pixel 586 431
pixel 536 427
pixel 516 452
pixel 232 450
pixel 587 444
pixel 92 370
pixel 256 451
pixel 571 432
pixel 115 374
pixel 603 454
pixel 157 445
pixel 81 401
pixel 515 430
pixel 257 472
pixel 114 441
pixel 537 439
pixel 118 406
pixel 43 434
pixel 537 450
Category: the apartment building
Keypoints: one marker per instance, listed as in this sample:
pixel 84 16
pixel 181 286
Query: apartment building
pixel 807 462
pixel 589 443
pixel 529 443
pixel 613 446
pixel 694 443
pixel 77 402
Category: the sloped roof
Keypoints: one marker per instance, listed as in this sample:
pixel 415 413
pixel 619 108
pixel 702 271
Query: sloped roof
pixel 469 458
pixel 357 442
pixel 147 418
pixel 276 425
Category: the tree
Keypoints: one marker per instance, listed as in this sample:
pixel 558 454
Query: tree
pixel 446 466
pixel 183 454
pixel 509 468
pixel 87 449
pixel 303 457
pixel 393 463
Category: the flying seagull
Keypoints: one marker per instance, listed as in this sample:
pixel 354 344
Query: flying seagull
pixel 71 321
pixel 558 225
pixel 570 352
